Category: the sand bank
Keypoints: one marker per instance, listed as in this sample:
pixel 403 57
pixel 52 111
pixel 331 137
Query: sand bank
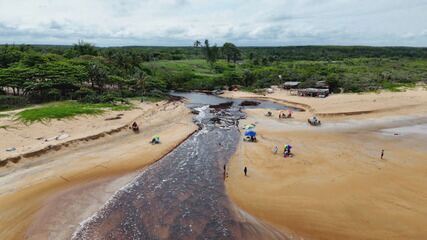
pixel 336 186
pixel 33 137
pixel 351 105
pixel 46 197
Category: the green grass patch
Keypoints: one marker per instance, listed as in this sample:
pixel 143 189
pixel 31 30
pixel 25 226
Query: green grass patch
pixel 58 111
pixel 67 109
pixel 397 87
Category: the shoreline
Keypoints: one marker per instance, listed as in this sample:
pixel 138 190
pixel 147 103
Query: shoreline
pixel 348 104
pixel 328 168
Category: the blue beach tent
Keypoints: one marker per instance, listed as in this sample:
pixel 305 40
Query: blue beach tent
pixel 250 133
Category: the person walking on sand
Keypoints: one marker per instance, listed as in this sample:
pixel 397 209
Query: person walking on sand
pixel 275 149
pixel 245 170
pixel 382 154
pixel 225 171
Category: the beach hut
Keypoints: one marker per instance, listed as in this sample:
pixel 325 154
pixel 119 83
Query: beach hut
pixel 313 92
pixel 322 84
pixel 291 85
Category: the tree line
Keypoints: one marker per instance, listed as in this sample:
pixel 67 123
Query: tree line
pixel 37 73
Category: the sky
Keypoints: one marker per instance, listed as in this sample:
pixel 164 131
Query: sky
pixel 243 22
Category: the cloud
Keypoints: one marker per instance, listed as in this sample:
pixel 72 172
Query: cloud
pixel 244 22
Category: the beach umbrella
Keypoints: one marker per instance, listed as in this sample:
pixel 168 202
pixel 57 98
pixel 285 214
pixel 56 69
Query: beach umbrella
pixel 250 133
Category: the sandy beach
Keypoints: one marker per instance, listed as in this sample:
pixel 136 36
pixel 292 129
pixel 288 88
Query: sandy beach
pixel 350 105
pixel 336 186
pixel 46 197
pixel 27 138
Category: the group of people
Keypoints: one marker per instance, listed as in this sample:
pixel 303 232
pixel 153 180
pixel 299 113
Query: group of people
pixel 286 150
pixel 251 138
pixel 281 114
pixel 135 128
pixel 250 134
pixel 284 115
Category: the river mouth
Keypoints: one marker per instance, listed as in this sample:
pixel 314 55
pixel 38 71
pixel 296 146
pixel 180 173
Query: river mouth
pixel 196 99
pixel 182 196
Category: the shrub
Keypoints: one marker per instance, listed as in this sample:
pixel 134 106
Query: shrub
pixel 11 102
pixel 54 94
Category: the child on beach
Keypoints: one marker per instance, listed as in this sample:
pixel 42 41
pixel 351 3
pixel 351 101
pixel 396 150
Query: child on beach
pixel 275 149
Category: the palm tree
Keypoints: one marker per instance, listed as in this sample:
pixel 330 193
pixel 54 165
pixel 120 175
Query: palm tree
pixel 140 78
pixel 197 44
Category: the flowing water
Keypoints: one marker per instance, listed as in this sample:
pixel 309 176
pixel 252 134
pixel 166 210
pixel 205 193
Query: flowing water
pixel 200 99
pixel 183 196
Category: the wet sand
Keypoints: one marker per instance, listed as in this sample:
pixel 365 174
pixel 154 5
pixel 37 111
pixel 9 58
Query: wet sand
pixel 31 191
pixel 336 186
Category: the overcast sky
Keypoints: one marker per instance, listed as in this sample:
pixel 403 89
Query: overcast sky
pixel 244 22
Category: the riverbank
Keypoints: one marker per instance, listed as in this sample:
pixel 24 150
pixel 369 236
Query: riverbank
pixel 48 196
pixel 350 105
pixel 21 138
pixel 336 186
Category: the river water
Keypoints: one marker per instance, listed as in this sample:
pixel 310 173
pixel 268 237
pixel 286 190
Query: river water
pixel 201 99
pixel 183 196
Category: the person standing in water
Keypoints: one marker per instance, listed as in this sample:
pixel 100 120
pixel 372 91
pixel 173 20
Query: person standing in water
pixel 245 170
pixel 382 154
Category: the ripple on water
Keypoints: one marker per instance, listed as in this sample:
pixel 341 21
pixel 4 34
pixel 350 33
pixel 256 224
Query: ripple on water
pixel 182 196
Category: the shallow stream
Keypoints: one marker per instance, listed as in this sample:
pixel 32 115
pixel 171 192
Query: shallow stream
pixel 183 196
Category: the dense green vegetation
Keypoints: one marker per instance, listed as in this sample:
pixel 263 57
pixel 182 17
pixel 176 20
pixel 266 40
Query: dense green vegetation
pixel 351 75
pixel 83 72
pixel 66 109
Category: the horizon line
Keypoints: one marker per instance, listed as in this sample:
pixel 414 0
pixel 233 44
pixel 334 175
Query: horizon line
pixel 241 46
